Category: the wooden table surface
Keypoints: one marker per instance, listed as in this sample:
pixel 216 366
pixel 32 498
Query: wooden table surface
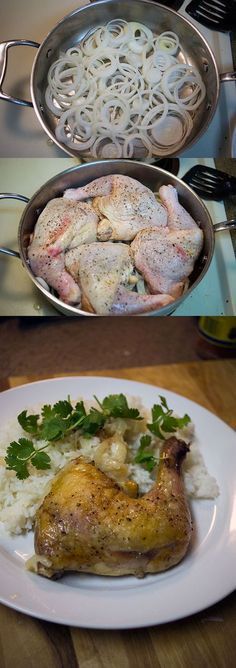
pixel 204 640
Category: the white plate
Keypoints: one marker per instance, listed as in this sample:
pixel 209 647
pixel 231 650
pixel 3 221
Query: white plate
pixel 206 575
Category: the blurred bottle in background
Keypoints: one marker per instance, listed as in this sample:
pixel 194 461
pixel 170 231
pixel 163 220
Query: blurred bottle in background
pixel 217 337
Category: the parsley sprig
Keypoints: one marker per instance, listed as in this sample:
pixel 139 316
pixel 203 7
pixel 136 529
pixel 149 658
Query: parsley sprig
pixel 143 455
pixel 58 421
pixel 163 422
pixel 20 453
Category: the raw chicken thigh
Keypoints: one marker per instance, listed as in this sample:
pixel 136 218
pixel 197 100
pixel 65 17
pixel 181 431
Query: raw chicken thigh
pixel 117 535
pixel 104 271
pixel 166 258
pixel 61 225
pixel 125 205
pixel 100 268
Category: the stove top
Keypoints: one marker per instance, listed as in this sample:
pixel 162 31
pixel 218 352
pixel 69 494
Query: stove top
pixel 215 295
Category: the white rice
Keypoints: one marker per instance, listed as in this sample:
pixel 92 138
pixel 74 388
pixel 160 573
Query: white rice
pixel 19 500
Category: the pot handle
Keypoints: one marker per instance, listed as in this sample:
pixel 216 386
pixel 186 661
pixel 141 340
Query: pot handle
pixel 226 225
pixel 4 46
pixel 228 76
pixel 9 251
pixel 3 249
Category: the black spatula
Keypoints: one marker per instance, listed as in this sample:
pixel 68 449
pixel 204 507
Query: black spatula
pixel 210 183
pixel 214 14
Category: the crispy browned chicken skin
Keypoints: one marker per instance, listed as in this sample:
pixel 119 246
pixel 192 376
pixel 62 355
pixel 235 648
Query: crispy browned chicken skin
pixel 87 523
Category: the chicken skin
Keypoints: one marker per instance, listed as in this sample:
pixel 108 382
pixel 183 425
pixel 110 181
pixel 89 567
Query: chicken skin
pixel 178 217
pixel 166 257
pixel 52 270
pixel 124 206
pixel 126 301
pixel 104 271
pixel 88 524
pixel 99 268
pixel 61 225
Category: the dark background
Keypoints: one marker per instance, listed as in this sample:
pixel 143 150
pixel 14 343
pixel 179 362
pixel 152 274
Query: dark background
pixel 69 345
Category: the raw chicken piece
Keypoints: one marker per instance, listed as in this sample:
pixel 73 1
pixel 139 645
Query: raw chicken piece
pixel 178 217
pixel 125 205
pixel 166 257
pixel 101 186
pixel 62 224
pixel 126 301
pixel 103 270
pixel 52 270
pixel 99 268
pixel 87 523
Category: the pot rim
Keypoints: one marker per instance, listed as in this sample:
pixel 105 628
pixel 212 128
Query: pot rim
pixel 87 7
pixel 72 310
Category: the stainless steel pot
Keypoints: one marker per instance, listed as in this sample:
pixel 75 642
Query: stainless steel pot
pixel 151 176
pixel 70 30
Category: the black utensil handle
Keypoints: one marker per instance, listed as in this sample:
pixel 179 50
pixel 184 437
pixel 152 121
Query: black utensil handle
pixel 199 12
pixel 232 180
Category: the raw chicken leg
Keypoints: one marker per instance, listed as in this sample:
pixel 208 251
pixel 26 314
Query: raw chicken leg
pixel 124 204
pixel 87 523
pixel 178 217
pixel 52 270
pixel 101 186
pixel 99 268
pixel 103 271
pixel 126 301
pixel 62 224
pixel 166 258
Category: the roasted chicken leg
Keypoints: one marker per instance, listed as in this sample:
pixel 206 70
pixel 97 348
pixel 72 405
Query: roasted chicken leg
pixel 87 523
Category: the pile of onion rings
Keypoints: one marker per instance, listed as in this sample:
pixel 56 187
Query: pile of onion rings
pixel 122 93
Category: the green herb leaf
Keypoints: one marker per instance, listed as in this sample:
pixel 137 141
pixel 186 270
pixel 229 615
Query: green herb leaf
pixel 21 453
pixel 41 460
pixel 52 429
pixel 18 455
pixel 46 411
pixel 145 442
pixel 63 408
pixel 77 416
pixel 163 420
pixel 93 422
pixel 143 456
pixel 28 422
pixel 56 420
pixel 80 408
pixel 116 405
